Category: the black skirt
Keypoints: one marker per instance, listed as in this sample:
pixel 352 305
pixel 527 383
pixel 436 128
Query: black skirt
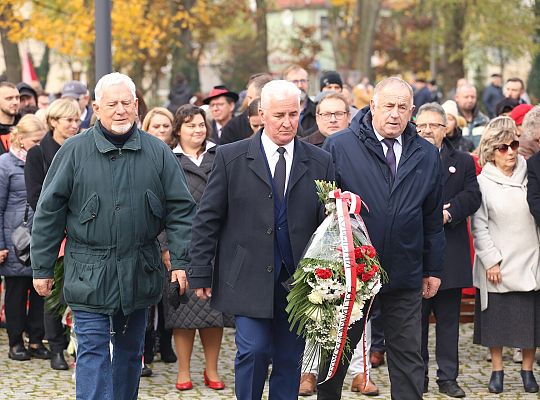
pixel 510 320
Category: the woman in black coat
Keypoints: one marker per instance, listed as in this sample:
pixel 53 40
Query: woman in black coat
pixel 63 120
pixel 196 155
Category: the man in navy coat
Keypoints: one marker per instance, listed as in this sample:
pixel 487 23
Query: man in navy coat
pixel 256 216
pixel 398 175
pixel 461 197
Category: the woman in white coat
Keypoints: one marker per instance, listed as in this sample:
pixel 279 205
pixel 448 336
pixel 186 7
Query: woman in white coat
pixel 506 266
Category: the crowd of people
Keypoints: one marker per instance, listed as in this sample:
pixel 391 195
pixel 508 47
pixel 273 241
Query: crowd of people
pixel 193 217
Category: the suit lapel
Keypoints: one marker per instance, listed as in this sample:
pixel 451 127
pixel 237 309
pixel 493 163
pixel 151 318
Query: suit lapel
pixel 448 162
pixel 256 159
pixel 298 168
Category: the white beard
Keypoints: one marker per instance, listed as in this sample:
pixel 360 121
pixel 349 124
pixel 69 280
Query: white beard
pixel 120 128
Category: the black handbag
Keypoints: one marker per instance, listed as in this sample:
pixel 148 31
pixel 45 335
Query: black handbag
pixel 20 238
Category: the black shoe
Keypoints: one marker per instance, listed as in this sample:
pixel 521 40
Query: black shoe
pixel 529 383
pixel 496 382
pixel 40 352
pixel 426 384
pixel 19 353
pixel 146 371
pixel 450 388
pixel 168 356
pixel 58 362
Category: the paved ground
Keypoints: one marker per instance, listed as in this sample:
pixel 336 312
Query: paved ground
pixel 35 380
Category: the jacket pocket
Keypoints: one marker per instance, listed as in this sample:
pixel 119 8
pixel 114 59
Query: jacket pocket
pixel 149 277
pixel 84 283
pixel 235 266
pixel 154 213
pixel 90 209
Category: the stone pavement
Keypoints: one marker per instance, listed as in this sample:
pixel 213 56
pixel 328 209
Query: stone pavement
pixel 35 380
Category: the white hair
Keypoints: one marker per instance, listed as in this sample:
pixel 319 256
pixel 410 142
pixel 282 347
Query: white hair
pixel 114 78
pixel 278 90
pixel 392 80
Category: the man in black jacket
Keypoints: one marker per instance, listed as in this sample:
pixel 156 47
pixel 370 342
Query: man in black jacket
pixel 398 175
pixel 239 128
pixel 299 76
pixel 461 198
pixel 9 112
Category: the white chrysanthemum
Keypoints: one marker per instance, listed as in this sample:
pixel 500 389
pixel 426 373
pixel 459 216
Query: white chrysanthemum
pixel 315 297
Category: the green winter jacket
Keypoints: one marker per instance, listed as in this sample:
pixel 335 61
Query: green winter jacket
pixel 112 203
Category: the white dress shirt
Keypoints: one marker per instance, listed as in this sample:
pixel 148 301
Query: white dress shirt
pixel 196 160
pixel 398 146
pixel 272 155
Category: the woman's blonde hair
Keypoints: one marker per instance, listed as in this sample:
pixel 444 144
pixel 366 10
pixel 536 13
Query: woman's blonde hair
pixel 499 130
pixel 62 108
pixel 28 125
pixel 173 141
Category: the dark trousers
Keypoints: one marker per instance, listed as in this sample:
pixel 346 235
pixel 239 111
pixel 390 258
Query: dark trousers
pixel 259 340
pixel 446 307
pixel 19 292
pixel 165 335
pixel 55 331
pixel 401 312
pixel 377 332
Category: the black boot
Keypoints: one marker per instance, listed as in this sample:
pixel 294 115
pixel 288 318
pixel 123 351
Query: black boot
pixel 19 353
pixel 496 382
pixel 529 383
pixel 58 362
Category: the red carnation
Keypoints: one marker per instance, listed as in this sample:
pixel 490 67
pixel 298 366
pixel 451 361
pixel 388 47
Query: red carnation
pixel 368 251
pixel 357 252
pixel 360 269
pixel 323 273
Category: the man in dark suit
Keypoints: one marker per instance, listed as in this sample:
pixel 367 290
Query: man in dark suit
pixel 461 198
pixel 398 175
pixel 299 76
pixel 256 216
pixel 239 128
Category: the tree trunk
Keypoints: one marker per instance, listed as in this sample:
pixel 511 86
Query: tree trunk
pixel 262 34
pixel 184 60
pixel 368 13
pixel 533 83
pixel 452 67
pixel 12 58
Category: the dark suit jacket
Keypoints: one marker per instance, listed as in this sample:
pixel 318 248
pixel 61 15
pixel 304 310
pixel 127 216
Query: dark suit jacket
pixel 533 186
pixel 235 222
pixel 236 129
pixel 308 119
pixel 462 192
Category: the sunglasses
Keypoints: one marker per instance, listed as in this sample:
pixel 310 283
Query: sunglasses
pixel 503 148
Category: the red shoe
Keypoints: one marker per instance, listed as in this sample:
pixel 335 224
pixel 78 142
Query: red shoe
pixel 216 385
pixel 185 385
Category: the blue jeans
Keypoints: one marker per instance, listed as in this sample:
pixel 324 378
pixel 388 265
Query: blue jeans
pixel 97 376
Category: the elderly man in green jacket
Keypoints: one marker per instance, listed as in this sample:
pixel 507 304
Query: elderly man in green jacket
pixel 111 190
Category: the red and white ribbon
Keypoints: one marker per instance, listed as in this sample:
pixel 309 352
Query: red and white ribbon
pixel 346 203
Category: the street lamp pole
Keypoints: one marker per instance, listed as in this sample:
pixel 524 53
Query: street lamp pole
pixel 102 12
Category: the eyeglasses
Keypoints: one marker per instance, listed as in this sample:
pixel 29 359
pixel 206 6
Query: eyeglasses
pixel 297 81
pixel 327 116
pixel 503 148
pixel 431 125
pixel 217 105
